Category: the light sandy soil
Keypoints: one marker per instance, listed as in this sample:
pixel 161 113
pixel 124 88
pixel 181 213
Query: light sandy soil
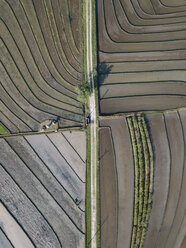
pixel 14 232
pixel 41 189
pixel 69 153
pixel 4 241
pixel 75 139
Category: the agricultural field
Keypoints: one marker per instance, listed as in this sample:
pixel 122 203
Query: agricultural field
pixel 42 190
pixel 141 55
pixel 116 183
pixel 41 62
pixel 142 102
pixel 143 203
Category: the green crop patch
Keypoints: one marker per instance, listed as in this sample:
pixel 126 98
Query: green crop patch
pixel 143 177
pixel 2 129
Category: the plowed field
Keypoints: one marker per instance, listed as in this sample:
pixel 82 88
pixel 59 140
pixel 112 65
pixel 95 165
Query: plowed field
pixel 40 50
pixel 42 190
pixel 142 46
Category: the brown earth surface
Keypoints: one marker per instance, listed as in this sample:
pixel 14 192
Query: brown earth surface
pixel 108 190
pixel 124 169
pixel 168 207
pixel 138 43
pixel 40 63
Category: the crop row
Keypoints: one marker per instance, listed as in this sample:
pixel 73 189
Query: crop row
pixel 143 177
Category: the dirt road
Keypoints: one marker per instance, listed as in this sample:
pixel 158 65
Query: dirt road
pixel 93 125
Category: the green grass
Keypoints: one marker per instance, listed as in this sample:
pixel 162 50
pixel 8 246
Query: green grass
pixel 3 129
pixel 143 177
pixel 88 191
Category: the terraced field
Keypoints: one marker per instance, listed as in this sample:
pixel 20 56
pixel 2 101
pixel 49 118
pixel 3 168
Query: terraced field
pixel 40 51
pixel 142 44
pixel 42 190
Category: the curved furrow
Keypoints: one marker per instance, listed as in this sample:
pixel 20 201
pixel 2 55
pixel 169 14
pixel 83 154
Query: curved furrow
pixel 147 11
pixel 31 122
pixel 15 94
pixel 106 42
pixel 62 37
pixel 30 88
pixel 141 12
pixel 176 145
pixel 12 50
pixel 118 11
pixel 8 123
pixel 161 175
pixel 36 42
pixel 19 123
pixel 46 7
pixel 181 206
pixel 162 9
pixel 173 3
pixel 35 51
pixel 73 38
pixel 75 12
pixel 57 13
pixel 137 26
pixel 37 17
pixel 65 21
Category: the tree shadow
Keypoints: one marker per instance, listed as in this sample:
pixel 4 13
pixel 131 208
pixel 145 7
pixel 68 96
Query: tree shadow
pixel 103 71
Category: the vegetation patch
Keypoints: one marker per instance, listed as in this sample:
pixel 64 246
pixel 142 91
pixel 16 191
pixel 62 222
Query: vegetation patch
pixel 143 177
pixel 2 129
pixel 88 191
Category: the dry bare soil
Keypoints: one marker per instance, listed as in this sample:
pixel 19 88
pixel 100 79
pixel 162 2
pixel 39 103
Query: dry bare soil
pixel 42 190
pixel 167 220
pixel 40 50
pixel 142 55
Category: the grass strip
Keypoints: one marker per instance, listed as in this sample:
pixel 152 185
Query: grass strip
pixel 143 177
pixel 88 191
pixel 136 180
